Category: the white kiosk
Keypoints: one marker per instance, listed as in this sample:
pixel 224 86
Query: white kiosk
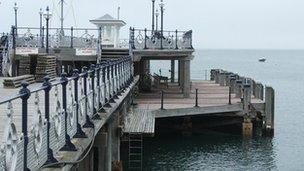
pixel 110 30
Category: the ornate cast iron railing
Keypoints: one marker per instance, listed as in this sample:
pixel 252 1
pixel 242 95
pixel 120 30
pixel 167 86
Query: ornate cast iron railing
pixel 42 121
pixel 6 46
pixel 148 39
pixel 70 37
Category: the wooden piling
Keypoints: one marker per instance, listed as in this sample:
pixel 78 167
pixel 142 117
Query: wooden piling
pixel 269 111
pixel 238 88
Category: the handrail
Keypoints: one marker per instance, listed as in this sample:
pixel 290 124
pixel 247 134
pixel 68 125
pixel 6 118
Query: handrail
pixel 56 28
pixel 83 94
pixel 148 39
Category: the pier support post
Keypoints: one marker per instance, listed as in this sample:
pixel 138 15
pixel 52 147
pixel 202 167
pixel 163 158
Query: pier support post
pixel 247 97
pixel 247 124
pixel 232 83
pixel 212 74
pixel 222 77
pixel 247 128
pixel 100 145
pixel 115 138
pixel 172 71
pixel 186 78
pixel 108 163
pixel 179 73
pixel 238 89
pixel 217 76
pixel 269 110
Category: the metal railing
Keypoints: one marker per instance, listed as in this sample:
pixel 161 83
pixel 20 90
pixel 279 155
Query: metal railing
pixel 42 121
pixel 5 55
pixel 69 37
pixel 148 39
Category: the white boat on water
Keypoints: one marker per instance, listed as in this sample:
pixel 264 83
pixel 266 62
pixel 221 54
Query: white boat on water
pixel 262 59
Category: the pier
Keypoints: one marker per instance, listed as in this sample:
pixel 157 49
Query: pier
pixel 225 95
pixel 72 98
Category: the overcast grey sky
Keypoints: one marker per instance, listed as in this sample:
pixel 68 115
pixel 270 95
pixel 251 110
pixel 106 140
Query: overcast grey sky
pixel 246 24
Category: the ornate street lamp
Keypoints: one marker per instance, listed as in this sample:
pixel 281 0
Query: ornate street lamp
pixel 40 14
pixel 162 22
pixel 156 22
pixel 47 16
pixel 16 10
pixel 153 9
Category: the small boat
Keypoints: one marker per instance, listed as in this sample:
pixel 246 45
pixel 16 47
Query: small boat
pixel 262 59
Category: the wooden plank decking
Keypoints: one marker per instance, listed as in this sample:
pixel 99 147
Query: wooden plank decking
pixel 140 121
pixel 209 95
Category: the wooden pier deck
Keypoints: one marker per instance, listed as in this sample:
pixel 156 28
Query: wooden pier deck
pixel 140 121
pixel 6 93
pixel 210 96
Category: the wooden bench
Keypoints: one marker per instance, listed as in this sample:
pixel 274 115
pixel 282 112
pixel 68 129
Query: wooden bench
pixel 159 80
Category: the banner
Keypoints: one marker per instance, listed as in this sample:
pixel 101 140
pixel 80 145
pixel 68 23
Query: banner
pixel 86 52
pixel 26 50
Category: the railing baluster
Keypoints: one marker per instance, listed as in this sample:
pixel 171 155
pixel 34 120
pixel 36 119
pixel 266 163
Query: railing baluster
pixel 145 39
pixel 79 133
pixel 68 146
pixel 115 80
pixel 196 98
pixel 131 69
pixel 162 100
pixel 47 88
pixel 98 86
pixel 88 123
pixel 105 77
pixel 92 76
pixel 72 34
pixel 118 78
pixel 25 95
pixel 176 40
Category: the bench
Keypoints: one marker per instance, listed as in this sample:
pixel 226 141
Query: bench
pixel 158 80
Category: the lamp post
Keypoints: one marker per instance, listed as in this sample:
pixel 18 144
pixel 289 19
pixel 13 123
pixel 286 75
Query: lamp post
pixel 156 22
pixel 16 10
pixel 40 14
pixel 61 20
pixel 162 22
pixel 47 17
pixel 153 8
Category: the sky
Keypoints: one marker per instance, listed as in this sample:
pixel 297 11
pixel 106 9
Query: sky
pixel 216 24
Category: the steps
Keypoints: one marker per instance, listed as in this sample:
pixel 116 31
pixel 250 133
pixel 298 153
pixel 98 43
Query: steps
pixel 15 82
pixel 135 151
pixel 110 53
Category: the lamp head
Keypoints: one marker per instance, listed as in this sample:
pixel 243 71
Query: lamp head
pixel 161 4
pixel 15 6
pixel 40 11
pixel 47 14
pixel 157 13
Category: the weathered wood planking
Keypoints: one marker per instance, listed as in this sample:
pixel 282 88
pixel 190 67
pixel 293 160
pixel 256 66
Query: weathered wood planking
pixel 140 121
pixel 209 94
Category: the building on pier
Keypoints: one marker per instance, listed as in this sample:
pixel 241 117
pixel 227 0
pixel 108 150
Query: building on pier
pixel 110 30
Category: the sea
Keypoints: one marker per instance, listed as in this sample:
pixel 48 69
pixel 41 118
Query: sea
pixel 283 70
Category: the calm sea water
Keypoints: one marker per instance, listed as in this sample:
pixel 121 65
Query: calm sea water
pixel 283 70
